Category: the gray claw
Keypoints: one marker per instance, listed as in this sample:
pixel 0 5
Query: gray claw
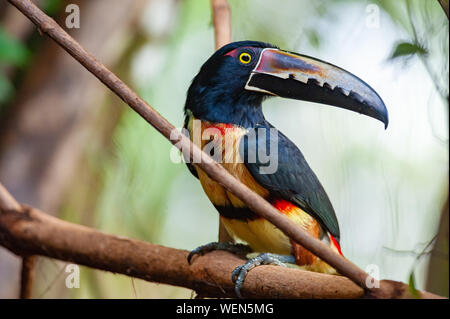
pixel 238 249
pixel 240 272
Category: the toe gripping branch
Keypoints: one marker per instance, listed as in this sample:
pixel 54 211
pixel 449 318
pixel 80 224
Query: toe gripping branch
pixel 237 249
pixel 239 274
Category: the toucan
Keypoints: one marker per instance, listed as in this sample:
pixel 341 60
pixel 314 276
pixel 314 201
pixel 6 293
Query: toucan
pixel 224 108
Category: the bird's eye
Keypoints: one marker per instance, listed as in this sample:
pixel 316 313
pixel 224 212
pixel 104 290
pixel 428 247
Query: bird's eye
pixel 245 58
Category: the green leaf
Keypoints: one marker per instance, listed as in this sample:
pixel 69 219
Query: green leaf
pixel 412 286
pixel 6 89
pixel 52 7
pixel 313 38
pixel 11 50
pixel 407 49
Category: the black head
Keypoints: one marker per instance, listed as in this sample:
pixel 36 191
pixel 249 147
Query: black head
pixel 218 94
pixel 233 82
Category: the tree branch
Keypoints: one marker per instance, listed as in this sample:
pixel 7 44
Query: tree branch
pixel 207 164
pixel 7 202
pixel 27 277
pixel 444 5
pixel 30 231
pixel 221 15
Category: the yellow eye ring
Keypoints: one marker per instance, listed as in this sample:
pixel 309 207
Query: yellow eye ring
pixel 245 58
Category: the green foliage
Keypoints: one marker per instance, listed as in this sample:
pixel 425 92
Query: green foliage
pixel 427 27
pixel 412 286
pixel 6 89
pixel 12 51
pixel 407 50
pixel 51 7
pixel 313 37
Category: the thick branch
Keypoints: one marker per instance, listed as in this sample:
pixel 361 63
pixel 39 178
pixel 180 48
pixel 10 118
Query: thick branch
pixel 28 231
pixel 214 170
pixel 34 232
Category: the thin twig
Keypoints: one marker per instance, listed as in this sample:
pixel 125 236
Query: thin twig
pixel 444 5
pixel 221 16
pixel 27 277
pixel 52 283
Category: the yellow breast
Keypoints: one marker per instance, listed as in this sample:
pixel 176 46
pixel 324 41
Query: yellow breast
pixel 223 140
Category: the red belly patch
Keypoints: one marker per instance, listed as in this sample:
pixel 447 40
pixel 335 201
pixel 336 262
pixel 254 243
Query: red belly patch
pixel 283 206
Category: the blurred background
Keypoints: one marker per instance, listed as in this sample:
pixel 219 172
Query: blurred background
pixel 71 148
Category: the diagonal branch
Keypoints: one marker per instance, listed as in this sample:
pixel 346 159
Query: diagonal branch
pixel 7 201
pixel 207 164
pixel 444 5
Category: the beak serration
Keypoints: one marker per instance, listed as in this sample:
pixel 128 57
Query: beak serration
pixel 301 77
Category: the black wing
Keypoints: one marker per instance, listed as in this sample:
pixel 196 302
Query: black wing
pixel 293 179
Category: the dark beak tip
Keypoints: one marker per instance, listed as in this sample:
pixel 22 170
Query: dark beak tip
pixel 384 116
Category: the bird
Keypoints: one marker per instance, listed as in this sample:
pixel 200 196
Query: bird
pixel 224 117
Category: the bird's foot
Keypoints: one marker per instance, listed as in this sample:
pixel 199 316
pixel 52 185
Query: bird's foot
pixel 239 274
pixel 237 249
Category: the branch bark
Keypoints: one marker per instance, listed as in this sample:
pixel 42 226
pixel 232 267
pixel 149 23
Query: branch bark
pixel 30 231
pixel 8 202
pixel 221 15
pixel 27 277
pixel 214 170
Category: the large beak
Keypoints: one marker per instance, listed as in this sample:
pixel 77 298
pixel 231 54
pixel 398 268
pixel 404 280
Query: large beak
pixel 301 77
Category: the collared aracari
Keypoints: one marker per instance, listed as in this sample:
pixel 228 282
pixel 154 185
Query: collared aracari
pixel 226 96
